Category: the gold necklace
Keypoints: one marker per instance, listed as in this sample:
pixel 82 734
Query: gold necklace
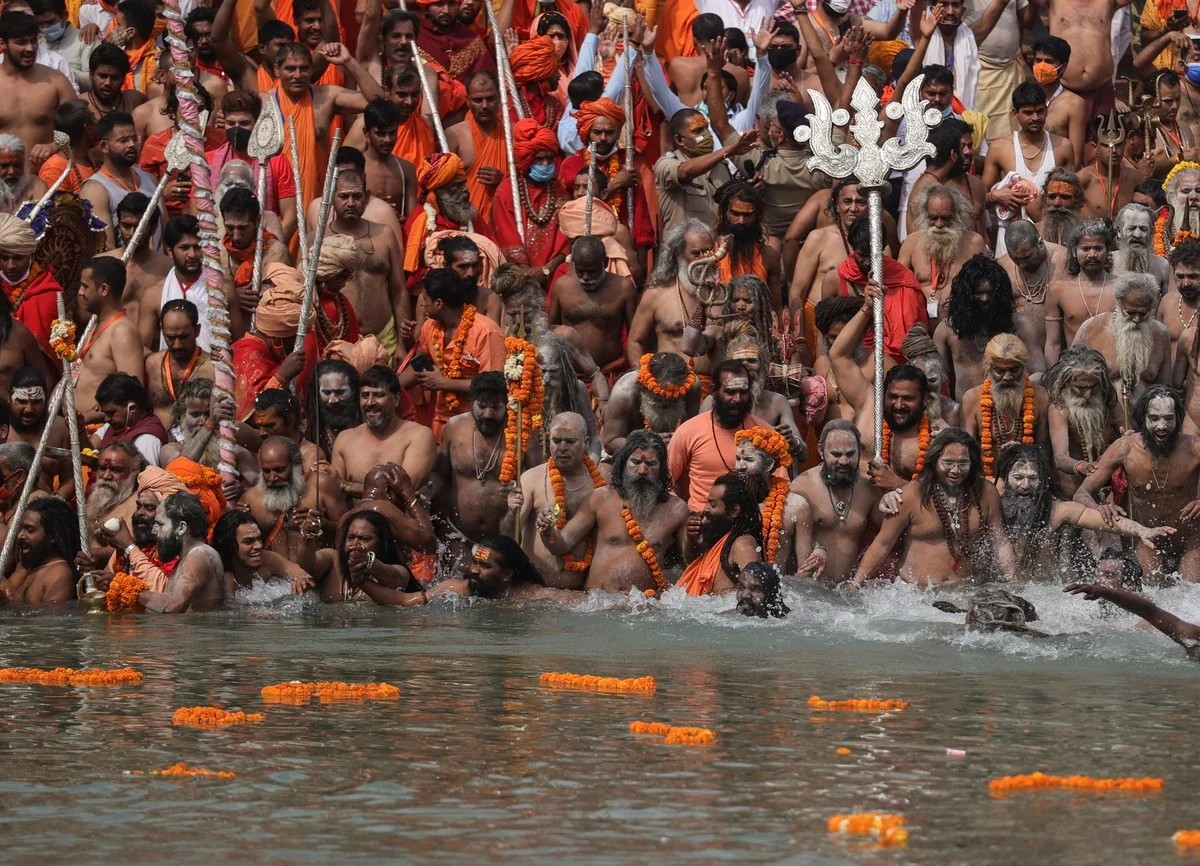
pixel 1035 293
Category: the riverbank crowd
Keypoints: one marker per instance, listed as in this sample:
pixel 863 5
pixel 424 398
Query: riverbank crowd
pixel 386 302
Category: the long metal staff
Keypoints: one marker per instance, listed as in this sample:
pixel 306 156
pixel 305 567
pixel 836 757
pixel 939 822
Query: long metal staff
pixel 310 276
pixel 73 431
pixel 35 470
pixel 266 142
pixel 591 190
pixel 506 121
pixel 178 159
pixel 301 228
pixel 63 142
pixel 628 119
pixel 427 92
pixel 505 71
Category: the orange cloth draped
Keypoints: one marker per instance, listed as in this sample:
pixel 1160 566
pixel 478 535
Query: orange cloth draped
pixel 265 81
pixel 205 484
pixel 489 153
pixel 414 139
pixel 416 230
pixel 254 363
pixel 699 577
pixel 903 301
pixel 55 165
pixel 539 239
pixel 754 267
pixel 143 63
pixel 244 259
pixel 245 30
pixel 675 30
pixel 312 155
pixel 483 351
pixel 528 140
pixel 525 13
pixel 38 307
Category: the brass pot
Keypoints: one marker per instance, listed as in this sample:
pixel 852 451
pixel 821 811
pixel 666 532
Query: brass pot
pixel 93 599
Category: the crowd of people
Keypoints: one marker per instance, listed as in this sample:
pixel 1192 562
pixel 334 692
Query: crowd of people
pixel 577 313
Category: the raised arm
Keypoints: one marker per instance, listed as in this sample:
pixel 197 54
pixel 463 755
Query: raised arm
pixel 368 32
pixel 986 23
pixel 851 382
pixel 1181 631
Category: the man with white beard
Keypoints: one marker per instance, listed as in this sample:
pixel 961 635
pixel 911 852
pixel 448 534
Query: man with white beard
pixel 658 396
pixel 280 502
pixel 1136 346
pixel 1182 187
pixel 14 171
pixel 942 243
pixel 1135 226
pixel 1062 197
pixel 113 491
pixel 1007 408
pixel 195 418
pixel 1082 399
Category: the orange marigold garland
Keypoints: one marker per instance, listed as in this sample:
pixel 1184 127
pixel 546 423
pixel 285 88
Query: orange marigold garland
pixel 451 363
pixel 1008 784
pixel 987 424
pixel 526 397
pixel 123 592
pixel 663 392
pixel 645 549
pixel 16 291
pixel 182 769
pixel 657 729
pixel 571 563
pixel 328 692
pixel 887 828
pixel 62 339
pixel 858 705
pixel 772 518
pixel 588 682
pixel 1160 234
pixel 71 676
pixel 213 717
pixel 923 437
pixel 676 736
pixel 1187 838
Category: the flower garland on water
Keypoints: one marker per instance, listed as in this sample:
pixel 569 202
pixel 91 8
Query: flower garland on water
pixel 986 427
pixel 1187 838
pixel 858 705
pixel 645 549
pixel 451 363
pixel 663 392
pixel 72 676
pixel 591 683
pixel 887 828
pixel 885 447
pixel 62 339
pixel 1008 784
pixel 182 769
pixel 213 717
pixel 676 736
pixel 525 398
pixel 559 486
pixel 123 592
pixel 327 692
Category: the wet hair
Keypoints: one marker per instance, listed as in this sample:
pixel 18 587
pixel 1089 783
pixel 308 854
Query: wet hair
pixel 773 604
pixel 641 440
pixel 177 228
pixel 282 401
pixel 110 271
pixel 107 54
pixel 61 525
pixel 585 87
pixel 388 552
pixel 489 385
pixel 1036 455
pixel 185 508
pixel 1053 46
pixel 1028 95
pixel 240 202
pixel 1142 406
pixel 121 389
pixel 1154 190
pixel 225 532
pixel 839 425
pixel 18 455
pixel 928 474
pixel 72 117
pixel 511 558
pixel 443 284
pixel 562 393
pixel 747 522
pixel 380 114
pixel 1131 569
pixel 380 376
pixel 965 315
pixel 837 310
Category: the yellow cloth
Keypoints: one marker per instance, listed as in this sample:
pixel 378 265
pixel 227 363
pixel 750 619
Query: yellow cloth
pixel 993 95
pixel 1154 17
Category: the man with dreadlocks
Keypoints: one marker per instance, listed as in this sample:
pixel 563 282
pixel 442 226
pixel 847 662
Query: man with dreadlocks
pixel 760 592
pixel 922 353
pixel 980 307
pixel 47 544
pixel 1062 198
pixel 723 539
pixel 1083 291
pixel 948 515
pixel 832 314
pixel 1007 409
pixel 740 217
pixel 942 243
pixel 561 386
pixel 749 301
pixel 786 516
pixel 658 396
pixel 1134 228
pixel 1082 400
pixel 1180 220
pixel 639 525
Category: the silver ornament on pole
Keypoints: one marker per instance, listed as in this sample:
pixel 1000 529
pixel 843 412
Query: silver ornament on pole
pixel 871 162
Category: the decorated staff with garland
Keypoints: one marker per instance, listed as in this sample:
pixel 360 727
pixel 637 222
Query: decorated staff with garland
pixel 658 396
pixel 639 525
pixel 1180 219
pixel 1007 409
pixel 563 484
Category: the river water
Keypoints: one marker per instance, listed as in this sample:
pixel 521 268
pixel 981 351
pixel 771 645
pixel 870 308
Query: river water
pixel 477 762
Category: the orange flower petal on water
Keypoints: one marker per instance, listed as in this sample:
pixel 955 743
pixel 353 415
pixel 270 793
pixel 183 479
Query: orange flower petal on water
pixel 887 828
pixel 182 769
pixel 690 737
pixel 327 692
pixel 842 751
pixel 657 728
pixel 858 705
pixel 213 717
pixel 1007 784
pixel 1187 838
pixel 71 676
pixel 588 682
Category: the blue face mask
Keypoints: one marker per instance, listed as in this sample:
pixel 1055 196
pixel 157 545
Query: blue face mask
pixel 948 111
pixel 703 108
pixel 1193 73
pixel 541 173
pixel 54 32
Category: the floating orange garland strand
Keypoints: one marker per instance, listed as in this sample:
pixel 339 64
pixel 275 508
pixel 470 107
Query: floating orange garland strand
pixel 676 736
pixel 887 828
pixel 71 676
pixel 559 486
pixel 663 392
pixel 451 363
pixel 858 705
pixel 123 592
pixel 645 549
pixel 182 769
pixel 213 717
pixel 657 729
pixel 1187 838
pixel 987 430
pixel 526 398
pixel 588 682
pixel 1008 784
pixel 885 448
pixel 298 693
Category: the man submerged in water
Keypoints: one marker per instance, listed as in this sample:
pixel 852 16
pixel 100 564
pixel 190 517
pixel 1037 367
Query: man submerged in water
pixel 760 592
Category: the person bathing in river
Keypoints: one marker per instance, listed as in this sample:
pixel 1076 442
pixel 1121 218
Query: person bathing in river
pixel 198 582
pixel 723 539
pixel 760 592
pixel 1184 633
pixel 238 540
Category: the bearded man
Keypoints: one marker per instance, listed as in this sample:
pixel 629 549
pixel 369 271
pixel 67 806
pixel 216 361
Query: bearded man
pixel 942 243
pixel 1082 400
pixel 442 178
pixel 1134 227
pixel 16 460
pixel 786 516
pixel 47 544
pixel 14 172
pixel 658 396
pixel 825 248
pixel 947 516
pixel 1182 217
pixel 336 405
pixel 135 552
pixel 535 150
pixel 281 500
pixel 923 354
pixel 1007 409
pixel 1032 265
pixel 26 421
pixel 195 418
pixel 479 141
pixel 240 213
pixel 1178 308
pixel 598 304
pixel 31 289
pixel 723 539
pixel 1062 199
pixel 197 584
pixel 740 217
pixel 1162 466
pixel 1083 291
pixel 113 492
pixel 636 506
pixel 563 391
pixel 445 41
pixel 980 306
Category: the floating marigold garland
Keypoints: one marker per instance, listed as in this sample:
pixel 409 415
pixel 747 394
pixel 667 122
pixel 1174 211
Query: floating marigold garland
pixel 858 705
pixel 663 392
pixel 588 682
pixel 182 769
pixel 987 424
pixel 676 736
pixel 887 828
pixel 62 339
pixel 71 676
pixel 525 398
pixel 1187 838
pixel 1008 784
pixel 657 729
pixel 213 717
pixel 885 447
pixel 645 549
pixel 123 592
pixel 572 563
pixel 327 692
pixel 451 363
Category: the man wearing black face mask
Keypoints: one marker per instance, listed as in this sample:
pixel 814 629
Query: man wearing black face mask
pixel 784 53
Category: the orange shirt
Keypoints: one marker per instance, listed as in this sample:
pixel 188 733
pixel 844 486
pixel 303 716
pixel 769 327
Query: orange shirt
pixel 55 165
pixel 414 139
pixel 701 451
pixel 483 352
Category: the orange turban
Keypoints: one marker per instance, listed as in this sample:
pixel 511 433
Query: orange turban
pixel 529 138
pixel 534 61
pixel 278 311
pixel 160 482
pixel 590 112
pixel 440 169
pixel 204 484
pixel 883 53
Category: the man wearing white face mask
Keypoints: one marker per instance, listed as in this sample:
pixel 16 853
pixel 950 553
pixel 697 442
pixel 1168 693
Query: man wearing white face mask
pixel 60 37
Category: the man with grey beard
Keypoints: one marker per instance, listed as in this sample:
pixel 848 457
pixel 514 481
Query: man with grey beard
pixel 280 502
pixel 1183 205
pixel 1081 409
pixel 1136 346
pixel 195 419
pixel 942 243
pixel 1062 197
pixel 994 411
pixel 640 398
pixel 113 491
pixel 14 171
pixel 1135 231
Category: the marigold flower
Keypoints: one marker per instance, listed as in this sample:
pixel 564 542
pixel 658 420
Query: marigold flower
pixel 1187 838
pixel 1007 784
pixel 588 682
pixel 213 717
pixel 301 693
pixel 677 736
pixel 663 392
pixel 858 705
pixel 887 828
pixel 656 728
pixel 841 750
pixel 182 769
pixel 71 676
pixel 123 592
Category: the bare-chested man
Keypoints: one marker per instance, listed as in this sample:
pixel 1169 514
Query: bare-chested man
pixel 115 346
pixel 281 500
pixel 1061 201
pixel 658 396
pixel 21 185
pixel 382 438
pixel 47 543
pixel 1135 231
pixel 1031 264
pixel 945 515
pixel 636 505
pixel 198 582
pixel 1162 465
pixel 599 305
pixel 32 92
pixel 942 243
pixel 949 166
pixel 1088 25
pixel 1177 310
pixel 1135 345
pixel 180 360
pixel 980 306
pixel 1082 400
pixel 28 418
pixel 1083 291
pixel 479 141
pixel 192 428
pixel 1002 421
pixel 388 176
pixel 687 73
pixel 789 545
pixel 825 248
pixel 1109 182
pixel 147 266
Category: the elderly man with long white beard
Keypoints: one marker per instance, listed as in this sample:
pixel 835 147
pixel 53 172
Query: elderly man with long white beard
pixel 942 243
pixel 113 492
pixel 1182 218
pixel 1082 398
pixel 279 503
pixel 1007 409
pixel 1135 345
pixel 1135 229
pixel 1062 198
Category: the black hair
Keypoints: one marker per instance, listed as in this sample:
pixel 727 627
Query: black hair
pixel 179 227
pixel 735 38
pixel 485 74
pixel 120 389
pixel 240 202
pixel 707 27
pixel 353 156
pixel 107 54
pixel 72 117
pixel 380 376
pixel 106 124
pixel 773 604
pixel 181 305
pixel 1131 568
pixel 388 552
pixel 224 536
pixel 1152 188
pixel 730 365
pixel 588 245
pixel 299 49
pixel 928 474
pixel 199 15
pixel 947 140
pixel 1035 454
pixel 747 522
pixel 28 377
pixel 1186 252
pixel 585 87
pixel 488 385
pixel 937 74
pixel 907 373
pixel 1142 406
pixel 965 316
pixel 135 204
pixel 185 508
pixel 443 284
pixel 1053 46
pixel 548 19
pixel 281 400
pixel 452 244
pixel 140 15
pixel 785 28
pixel 18 25
pixel 337 365
pixel 109 270
pixel 859 236
pixel 396 16
pixel 381 114
pixel 836 310
pixel 270 31
pixel 299 7
pixel 60 523
pixel 512 558
pixel 41 7
pixel 641 440
pixel 1028 95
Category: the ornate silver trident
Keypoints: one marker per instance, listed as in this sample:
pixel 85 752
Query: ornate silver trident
pixel 871 163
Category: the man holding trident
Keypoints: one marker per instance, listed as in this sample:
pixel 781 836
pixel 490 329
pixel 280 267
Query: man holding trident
pixel 871 163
